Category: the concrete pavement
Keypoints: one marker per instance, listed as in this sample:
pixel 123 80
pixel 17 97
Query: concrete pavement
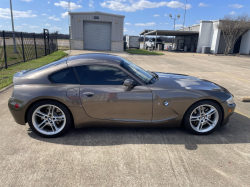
pixel 137 156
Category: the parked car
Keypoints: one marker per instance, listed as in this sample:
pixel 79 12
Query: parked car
pixel 151 43
pixel 101 89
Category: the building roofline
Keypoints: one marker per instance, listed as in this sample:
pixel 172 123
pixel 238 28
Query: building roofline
pixel 97 12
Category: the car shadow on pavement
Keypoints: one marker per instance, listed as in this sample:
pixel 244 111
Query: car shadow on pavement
pixel 237 131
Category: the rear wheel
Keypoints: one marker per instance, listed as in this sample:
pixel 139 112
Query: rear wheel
pixel 49 118
pixel 203 117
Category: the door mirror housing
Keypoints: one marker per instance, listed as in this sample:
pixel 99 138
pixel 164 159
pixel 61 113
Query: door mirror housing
pixel 129 83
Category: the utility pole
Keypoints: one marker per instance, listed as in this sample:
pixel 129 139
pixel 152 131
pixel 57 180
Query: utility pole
pixel 178 16
pixel 13 31
pixel 185 15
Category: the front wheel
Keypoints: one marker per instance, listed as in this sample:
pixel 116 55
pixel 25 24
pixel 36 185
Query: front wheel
pixel 49 118
pixel 203 117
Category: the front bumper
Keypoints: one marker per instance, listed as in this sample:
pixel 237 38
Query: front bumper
pixel 228 111
pixel 17 113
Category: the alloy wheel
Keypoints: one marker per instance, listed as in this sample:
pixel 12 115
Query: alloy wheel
pixel 204 118
pixel 48 119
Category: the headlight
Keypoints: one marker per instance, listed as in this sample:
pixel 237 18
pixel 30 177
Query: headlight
pixel 230 101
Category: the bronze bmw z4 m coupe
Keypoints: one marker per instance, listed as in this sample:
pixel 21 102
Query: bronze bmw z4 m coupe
pixel 107 90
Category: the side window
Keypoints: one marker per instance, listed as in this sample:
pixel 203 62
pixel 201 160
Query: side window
pixel 100 75
pixel 65 76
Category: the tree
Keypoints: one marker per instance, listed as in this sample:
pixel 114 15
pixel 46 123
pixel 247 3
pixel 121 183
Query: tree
pixel 232 27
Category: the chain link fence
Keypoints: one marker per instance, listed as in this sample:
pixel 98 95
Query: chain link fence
pixel 25 46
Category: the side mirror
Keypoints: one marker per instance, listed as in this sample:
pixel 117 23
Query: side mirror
pixel 129 83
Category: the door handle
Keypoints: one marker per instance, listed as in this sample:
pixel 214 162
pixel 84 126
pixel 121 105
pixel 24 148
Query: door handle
pixel 88 94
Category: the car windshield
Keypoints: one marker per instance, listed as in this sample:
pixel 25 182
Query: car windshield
pixel 137 71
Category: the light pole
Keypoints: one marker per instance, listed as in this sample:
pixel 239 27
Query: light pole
pixel 178 16
pixel 14 40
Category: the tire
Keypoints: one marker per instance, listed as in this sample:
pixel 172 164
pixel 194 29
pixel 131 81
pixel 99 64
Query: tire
pixel 49 118
pixel 146 47
pixel 203 122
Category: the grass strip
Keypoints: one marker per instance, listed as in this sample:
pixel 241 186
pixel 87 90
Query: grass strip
pixel 6 75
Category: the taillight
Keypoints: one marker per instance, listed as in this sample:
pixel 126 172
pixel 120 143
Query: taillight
pixel 16 105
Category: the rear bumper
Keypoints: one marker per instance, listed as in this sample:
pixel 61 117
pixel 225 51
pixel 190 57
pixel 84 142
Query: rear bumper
pixel 17 113
pixel 228 111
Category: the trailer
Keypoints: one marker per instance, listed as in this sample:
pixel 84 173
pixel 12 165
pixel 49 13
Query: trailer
pixel 133 42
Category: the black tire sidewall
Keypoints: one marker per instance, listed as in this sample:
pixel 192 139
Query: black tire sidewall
pixel 189 111
pixel 59 105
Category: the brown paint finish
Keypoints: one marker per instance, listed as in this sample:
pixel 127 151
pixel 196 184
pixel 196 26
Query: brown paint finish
pixel 113 105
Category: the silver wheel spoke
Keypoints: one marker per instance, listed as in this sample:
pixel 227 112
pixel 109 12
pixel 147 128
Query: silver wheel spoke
pixel 209 122
pixel 210 112
pixel 195 118
pixel 198 126
pixel 54 125
pixel 41 124
pixel 40 114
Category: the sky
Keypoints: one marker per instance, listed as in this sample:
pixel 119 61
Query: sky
pixel 34 15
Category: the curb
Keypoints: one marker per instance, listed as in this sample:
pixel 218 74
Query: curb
pixel 5 88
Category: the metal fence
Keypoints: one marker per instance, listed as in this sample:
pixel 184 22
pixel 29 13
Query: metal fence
pixel 28 46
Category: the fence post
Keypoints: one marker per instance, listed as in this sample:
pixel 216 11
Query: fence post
pixel 48 43
pixel 52 43
pixel 35 43
pixel 4 48
pixel 44 42
pixel 22 46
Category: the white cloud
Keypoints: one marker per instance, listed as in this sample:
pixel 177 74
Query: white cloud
pixel 165 15
pixel 203 5
pixel 24 24
pixel 178 25
pixel 125 30
pixel 27 0
pixel 32 27
pixel 198 21
pixel 132 6
pixel 64 5
pixel 160 23
pixel 43 14
pixel 78 2
pixel 165 23
pixel 47 24
pixel 64 15
pixel 48 2
pixel 127 23
pixel 49 10
pixel 54 18
pixel 236 6
pixel 55 28
pixel 232 13
pixel 145 24
pixel 5 13
pixel 156 15
pixel 91 4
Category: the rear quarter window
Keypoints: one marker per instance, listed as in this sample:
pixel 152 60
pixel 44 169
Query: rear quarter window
pixel 65 76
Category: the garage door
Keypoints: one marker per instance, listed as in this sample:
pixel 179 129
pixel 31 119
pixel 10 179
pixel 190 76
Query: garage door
pixel 97 35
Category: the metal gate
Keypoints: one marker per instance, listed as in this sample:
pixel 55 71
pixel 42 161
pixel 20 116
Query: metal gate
pixel 97 35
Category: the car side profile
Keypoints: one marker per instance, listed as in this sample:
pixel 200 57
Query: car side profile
pixel 106 90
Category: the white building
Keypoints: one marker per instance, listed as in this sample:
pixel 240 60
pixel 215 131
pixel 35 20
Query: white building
pixel 203 34
pixel 96 31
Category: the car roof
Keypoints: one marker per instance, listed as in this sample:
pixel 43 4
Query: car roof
pixel 94 58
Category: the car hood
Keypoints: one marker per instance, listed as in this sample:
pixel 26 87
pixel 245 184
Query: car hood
pixel 179 81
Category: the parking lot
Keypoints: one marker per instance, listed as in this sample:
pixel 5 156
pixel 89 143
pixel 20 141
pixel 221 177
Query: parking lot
pixel 138 156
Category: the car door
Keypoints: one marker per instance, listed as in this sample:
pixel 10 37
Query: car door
pixel 104 96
